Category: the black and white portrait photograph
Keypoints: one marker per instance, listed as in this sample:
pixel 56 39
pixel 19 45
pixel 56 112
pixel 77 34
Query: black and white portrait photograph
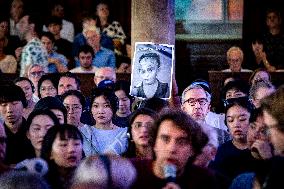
pixel 152 70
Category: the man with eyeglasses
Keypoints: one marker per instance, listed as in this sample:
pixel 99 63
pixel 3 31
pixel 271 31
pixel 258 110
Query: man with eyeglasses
pixel 235 58
pixel 35 72
pixel 196 103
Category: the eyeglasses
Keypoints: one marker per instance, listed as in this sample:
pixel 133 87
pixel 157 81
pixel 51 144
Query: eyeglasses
pixel 74 108
pixel 47 88
pixel 139 125
pixel 37 74
pixel 193 101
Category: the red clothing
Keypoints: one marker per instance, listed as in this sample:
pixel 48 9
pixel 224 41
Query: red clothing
pixel 193 177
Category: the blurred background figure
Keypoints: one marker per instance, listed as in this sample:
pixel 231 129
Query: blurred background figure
pixel 141 139
pixel 104 172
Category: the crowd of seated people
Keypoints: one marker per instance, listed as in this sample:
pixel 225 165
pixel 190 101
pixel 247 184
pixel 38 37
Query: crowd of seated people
pixel 58 137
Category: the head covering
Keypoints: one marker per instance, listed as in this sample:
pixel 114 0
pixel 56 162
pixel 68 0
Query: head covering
pixel 202 83
pixel 106 84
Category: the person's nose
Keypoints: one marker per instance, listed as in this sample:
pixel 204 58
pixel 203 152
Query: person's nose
pixel 144 129
pixel 197 105
pixel 42 132
pixel 71 148
pixel 172 147
pixel 9 108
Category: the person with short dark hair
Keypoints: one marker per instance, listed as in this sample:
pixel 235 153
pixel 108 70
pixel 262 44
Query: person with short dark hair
pixel 47 86
pixel 61 45
pixel 121 116
pixel 68 81
pixel 28 88
pixel 85 56
pixel 12 103
pixel 235 89
pixel 33 52
pixel 56 62
pixel 55 105
pixel 178 140
pixel 273 40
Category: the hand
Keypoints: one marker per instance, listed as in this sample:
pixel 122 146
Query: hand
pixel 171 185
pixel 271 68
pixel 117 44
pixel 264 149
pixel 53 61
pixel 18 52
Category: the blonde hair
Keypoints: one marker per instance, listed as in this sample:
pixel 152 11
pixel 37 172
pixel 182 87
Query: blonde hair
pixel 235 48
pixel 91 28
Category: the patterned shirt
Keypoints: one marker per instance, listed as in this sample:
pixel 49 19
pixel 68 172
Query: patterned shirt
pixel 115 30
pixel 33 53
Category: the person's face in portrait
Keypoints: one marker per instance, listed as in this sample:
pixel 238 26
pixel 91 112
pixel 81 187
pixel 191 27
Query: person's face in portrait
pixel 101 110
pixel 140 130
pixel 11 112
pixel 47 89
pixel 66 152
pixel 172 146
pixel 3 138
pixel 276 136
pixel 237 119
pixel 260 76
pixel 260 94
pixel 234 93
pixel 86 60
pixel 196 104
pixel 123 103
pixel 235 61
pixel 66 84
pixel 148 70
pixel 74 109
pixel 59 114
pixel 38 128
pixel 47 43
pixel 27 88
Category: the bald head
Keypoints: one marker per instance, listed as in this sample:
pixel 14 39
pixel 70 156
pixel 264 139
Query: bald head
pixel 104 73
